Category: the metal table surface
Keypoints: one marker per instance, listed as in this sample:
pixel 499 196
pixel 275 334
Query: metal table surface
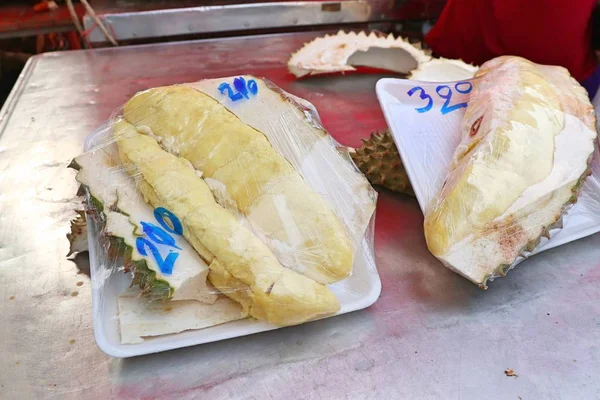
pixel 431 335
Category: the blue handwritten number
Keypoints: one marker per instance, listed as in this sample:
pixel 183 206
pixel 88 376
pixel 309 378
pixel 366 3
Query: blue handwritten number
pixel 159 235
pixel 240 85
pixel 252 86
pixel 165 265
pixel 160 213
pixel 464 91
pixel 423 96
pixel 242 89
pixel 448 96
pixel 226 87
pixel 444 92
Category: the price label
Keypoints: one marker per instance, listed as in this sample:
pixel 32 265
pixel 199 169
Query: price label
pixel 157 237
pixel 425 121
pixel 241 90
pixel 444 92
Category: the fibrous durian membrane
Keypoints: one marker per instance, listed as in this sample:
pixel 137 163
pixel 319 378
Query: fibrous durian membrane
pixel 193 125
pixel 272 292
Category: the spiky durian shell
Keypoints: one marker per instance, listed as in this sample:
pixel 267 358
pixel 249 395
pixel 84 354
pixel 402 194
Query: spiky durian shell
pixel 337 53
pixel 379 160
pixel 114 247
pixel 78 235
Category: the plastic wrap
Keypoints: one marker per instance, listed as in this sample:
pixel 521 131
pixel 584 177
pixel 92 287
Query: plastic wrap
pixel 497 162
pixel 226 195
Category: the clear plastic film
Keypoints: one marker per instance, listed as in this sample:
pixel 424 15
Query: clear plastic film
pixel 225 199
pixel 528 138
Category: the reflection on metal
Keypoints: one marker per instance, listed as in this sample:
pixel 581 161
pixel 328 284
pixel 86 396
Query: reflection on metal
pixel 431 335
pixel 196 20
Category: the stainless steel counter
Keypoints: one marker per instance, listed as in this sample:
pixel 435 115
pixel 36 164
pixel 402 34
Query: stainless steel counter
pixel 431 335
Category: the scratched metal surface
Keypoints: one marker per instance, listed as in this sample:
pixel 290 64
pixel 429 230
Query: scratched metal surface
pixel 431 335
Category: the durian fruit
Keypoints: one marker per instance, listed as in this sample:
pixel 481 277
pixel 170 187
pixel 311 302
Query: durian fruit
pixel 379 160
pixel 528 136
pixel 120 211
pixel 251 154
pixel 241 265
pixel 345 51
pixel 78 240
pixel 442 70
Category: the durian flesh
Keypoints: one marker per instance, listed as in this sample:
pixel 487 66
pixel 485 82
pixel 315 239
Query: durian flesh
pixel 247 174
pixel 241 265
pixel 528 135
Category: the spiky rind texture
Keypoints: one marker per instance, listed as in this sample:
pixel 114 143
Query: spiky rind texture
pixel 78 235
pixel 331 53
pixel 379 160
pixel 116 248
pixel 503 269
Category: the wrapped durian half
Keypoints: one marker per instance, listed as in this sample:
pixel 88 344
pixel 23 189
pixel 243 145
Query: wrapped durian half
pixel 528 136
pixel 237 163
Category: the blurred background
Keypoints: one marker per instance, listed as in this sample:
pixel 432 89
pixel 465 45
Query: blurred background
pixel 29 27
pixel 32 27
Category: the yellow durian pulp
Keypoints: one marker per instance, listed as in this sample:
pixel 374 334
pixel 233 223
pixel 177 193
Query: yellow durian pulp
pixel 262 184
pixel 241 265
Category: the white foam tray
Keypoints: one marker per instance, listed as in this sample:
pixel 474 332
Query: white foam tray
pixel 427 140
pixel 356 292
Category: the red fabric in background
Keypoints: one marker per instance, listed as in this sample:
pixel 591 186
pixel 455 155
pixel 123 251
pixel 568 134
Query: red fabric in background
pixel 552 32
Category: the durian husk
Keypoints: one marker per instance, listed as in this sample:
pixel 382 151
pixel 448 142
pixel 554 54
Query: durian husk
pixel 343 52
pixel 78 241
pixel 106 195
pixel 379 160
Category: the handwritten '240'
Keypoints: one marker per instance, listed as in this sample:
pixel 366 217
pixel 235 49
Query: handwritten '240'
pixel 160 235
pixel 445 92
pixel 243 89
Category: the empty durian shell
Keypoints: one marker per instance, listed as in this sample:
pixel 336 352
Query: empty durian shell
pixel 443 70
pixel 345 51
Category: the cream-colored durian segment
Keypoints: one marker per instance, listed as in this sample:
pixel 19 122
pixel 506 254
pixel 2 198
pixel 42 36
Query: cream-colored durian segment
pixel 110 184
